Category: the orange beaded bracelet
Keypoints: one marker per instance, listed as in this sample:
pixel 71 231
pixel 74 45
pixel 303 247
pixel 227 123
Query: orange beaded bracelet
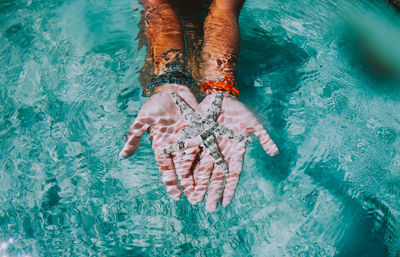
pixel 221 85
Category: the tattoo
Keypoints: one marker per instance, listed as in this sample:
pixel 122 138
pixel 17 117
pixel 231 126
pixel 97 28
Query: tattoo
pixel 173 50
pixel 151 13
pixel 175 62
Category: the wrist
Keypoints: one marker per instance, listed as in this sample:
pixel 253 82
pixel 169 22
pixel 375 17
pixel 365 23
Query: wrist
pixel 159 82
pixel 170 87
pixel 215 91
pixel 225 85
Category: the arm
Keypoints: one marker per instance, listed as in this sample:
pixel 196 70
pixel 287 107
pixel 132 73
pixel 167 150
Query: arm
pixel 221 39
pixel 220 51
pixel 159 115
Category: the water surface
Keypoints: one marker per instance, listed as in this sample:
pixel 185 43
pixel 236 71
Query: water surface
pixel 69 90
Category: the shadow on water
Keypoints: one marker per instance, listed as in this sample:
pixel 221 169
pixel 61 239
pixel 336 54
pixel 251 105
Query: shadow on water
pixel 378 73
pixel 374 225
pixel 264 56
pixel 365 231
pixel 261 56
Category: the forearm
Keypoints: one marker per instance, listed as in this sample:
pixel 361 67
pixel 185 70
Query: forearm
pixel 221 40
pixel 164 35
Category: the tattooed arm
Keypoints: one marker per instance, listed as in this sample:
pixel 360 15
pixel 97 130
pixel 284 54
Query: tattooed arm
pixel 159 115
pixel 161 118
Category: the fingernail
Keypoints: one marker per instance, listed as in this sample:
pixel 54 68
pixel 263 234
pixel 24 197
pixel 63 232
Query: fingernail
pixel 123 154
pixel 274 151
pixel 193 201
pixel 211 208
pixel 176 198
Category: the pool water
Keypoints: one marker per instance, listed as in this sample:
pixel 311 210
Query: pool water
pixel 69 90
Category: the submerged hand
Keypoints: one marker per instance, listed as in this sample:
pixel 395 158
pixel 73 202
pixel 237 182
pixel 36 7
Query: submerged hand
pixel 161 118
pixel 235 116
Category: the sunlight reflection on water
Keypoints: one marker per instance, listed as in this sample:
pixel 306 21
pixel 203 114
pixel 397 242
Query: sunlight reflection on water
pixel 71 89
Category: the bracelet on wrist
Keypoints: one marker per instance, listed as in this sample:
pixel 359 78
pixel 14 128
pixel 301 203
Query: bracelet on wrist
pixel 226 84
pixel 170 78
pixel 173 77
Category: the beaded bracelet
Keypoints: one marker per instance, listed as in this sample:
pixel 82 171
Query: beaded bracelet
pixel 221 85
pixel 172 77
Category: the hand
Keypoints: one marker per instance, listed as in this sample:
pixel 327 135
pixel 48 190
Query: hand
pixel 161 118
pixel 235 116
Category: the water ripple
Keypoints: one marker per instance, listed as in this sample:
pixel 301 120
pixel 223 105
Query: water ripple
pixel 66 99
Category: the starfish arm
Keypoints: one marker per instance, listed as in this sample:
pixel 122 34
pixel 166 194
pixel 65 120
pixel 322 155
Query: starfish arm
pixel 215 108
pixel 228 133
pixel 179 145
pixel 211 145
pixel 184 136
pixel 187 112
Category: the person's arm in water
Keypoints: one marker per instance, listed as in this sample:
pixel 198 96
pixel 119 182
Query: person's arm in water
pixel 159 115
pixel 220 52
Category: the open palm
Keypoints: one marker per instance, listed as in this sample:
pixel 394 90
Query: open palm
pixel 235 116
pixel 161 118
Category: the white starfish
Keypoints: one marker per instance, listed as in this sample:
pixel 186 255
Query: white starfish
pixel 206 127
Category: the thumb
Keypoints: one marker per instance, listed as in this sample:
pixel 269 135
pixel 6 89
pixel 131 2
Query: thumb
pixel 133 137
pixel 257 128
pixel 265 140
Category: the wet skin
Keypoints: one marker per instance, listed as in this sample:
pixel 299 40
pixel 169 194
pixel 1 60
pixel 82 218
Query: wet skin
pixel 162 119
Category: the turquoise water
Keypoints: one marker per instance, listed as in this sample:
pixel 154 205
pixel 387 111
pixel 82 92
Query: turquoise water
pixel 69 90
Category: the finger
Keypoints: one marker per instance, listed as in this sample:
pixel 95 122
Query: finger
pixel 235 168
pixel 183 162
pixel 168 176
pixel 202 174
pixel 133 137
pixel 215 189
pixel 265 140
